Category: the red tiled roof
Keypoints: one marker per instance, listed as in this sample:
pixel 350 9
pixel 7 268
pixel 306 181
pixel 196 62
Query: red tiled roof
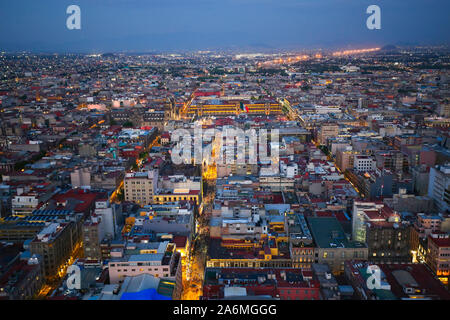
pixel 86 198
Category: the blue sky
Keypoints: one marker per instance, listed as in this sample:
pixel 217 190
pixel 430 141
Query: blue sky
pixel 149 25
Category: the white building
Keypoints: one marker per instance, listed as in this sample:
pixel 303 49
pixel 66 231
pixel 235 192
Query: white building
pixel 111 215
pixel 439 186
pixel 24 204
pixel 81 178
pixel 289 170
pixel 364 163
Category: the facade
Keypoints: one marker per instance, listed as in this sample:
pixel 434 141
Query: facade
pixel 168 196
pixel 165 263
pixel 101 226
pixel 55 244
pixel 248 254
pixel 92 236
pixel 300 241
pixel 389 243
pixel 81 178
pixel 325 131
pixel 140 187
pixel 345 159
pixel 366 212
pixel 24 204
pixel 424 226
pixel 438 255
pixel 364 163
pixel 439 187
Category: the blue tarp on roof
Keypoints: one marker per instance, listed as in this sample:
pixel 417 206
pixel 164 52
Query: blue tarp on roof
pixel 149 294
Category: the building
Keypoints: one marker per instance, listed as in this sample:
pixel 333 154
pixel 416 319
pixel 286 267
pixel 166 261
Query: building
pixel 364 163
pixel 327 130
pixel 103 224
pixel 438 255
pixel 424 226
pixel 142 287
pixel 397 282
pixel 388 242
pixel 24 203
pixel 329 288
pixel 91 238
pixel 373 184
pixel 55 245
pixel 81 178
pixel 365 212
pixel 20 276
pixel 140 187
pixel 164 196
pixel 266 253
pixel 164 263
pixel 377 225
pixel 345 159
pixel 283 283
pixel 439 186
pixel 300 241
pixel 179 188
pixel 332 245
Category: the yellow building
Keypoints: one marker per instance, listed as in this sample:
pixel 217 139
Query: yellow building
pixel 167 196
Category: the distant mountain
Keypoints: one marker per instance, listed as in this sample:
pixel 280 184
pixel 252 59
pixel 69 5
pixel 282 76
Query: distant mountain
pixel 389 47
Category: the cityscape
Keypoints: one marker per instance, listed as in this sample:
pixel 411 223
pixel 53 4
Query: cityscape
pixel 314 174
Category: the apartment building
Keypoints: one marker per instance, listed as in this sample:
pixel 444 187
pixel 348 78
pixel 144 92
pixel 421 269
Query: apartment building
pixel 55 244
pixel 438 255
pixel 332 245
pixel 140 187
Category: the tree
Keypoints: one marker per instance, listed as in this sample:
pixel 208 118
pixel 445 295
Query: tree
pixel 128 124
pixel 120 195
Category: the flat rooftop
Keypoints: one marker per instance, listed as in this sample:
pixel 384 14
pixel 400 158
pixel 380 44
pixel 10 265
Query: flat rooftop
pixel 328 233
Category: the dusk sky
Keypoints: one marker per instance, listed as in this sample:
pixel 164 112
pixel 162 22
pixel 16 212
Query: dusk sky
pixel 158 25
